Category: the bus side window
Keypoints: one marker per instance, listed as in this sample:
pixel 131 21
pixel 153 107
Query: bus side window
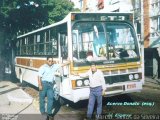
pixel 39 46
pixel 64 45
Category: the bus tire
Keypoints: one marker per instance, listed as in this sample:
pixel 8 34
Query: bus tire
pixel 61 101
pixel 20 76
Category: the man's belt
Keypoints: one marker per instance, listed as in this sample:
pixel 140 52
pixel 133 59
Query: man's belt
pixel 95 87
pixel 47 82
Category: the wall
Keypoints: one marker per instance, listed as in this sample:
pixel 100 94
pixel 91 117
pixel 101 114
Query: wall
pixel 146 23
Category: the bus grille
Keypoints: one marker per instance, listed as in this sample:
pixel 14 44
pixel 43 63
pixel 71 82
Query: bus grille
pixel 115 88
pixel 116 79
pixel 114 72
pixel 133 70
pixel 106 73
pixel 122 71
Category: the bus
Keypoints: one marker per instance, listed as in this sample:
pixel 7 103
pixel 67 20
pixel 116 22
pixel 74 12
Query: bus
pixel 108 39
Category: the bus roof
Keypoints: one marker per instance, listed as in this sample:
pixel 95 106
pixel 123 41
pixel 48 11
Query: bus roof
pixel 46 27
pixel 68 18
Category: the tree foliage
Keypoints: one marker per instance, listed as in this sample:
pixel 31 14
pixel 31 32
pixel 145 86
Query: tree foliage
pixel 58 9
pixel 26 15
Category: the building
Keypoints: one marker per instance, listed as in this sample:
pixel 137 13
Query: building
pixel 90 6
pixel 154 23
pixel 151 16
pixel 154 36
pixel 115 5
pixel 107 5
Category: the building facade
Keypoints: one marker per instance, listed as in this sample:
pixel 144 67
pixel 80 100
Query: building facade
pixel 154 22
pixel 151 15
pixel 107 5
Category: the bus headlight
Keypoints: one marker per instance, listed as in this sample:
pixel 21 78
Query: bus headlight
pixel 136 76
pixel 131 77
pixel 79 83
pixel 86 82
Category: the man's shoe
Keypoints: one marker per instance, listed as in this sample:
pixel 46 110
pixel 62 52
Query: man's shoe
pixel 87 118
pixel 44 116
pixel 50 117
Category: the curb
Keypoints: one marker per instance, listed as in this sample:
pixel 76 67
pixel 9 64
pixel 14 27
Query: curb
pixel 152 85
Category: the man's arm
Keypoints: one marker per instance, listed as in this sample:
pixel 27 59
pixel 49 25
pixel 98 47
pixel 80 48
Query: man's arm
pixel 83 75
pixel 103 83
pixel 40 73
pixel 66 63
pixel 59 67
pixel 40 83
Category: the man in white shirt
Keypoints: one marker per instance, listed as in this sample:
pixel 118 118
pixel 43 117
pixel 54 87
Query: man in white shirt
pixel 97 89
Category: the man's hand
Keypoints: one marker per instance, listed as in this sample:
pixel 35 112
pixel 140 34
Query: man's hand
pixel 103 92
pixel 74 73
pixel 40 87
pixel 39 83
pixel 66 63
pixel 57 73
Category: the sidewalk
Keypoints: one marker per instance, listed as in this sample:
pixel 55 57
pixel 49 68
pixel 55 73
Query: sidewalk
pixel 16 104
pixel 152 83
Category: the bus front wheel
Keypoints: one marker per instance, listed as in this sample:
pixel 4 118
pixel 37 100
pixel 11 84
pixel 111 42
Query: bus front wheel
pixel 20 75
pixel 61 101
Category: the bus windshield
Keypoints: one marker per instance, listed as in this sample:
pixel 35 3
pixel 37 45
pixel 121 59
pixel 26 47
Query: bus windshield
pixel 103 41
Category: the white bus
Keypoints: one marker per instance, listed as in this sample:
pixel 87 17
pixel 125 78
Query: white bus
pixel 109 39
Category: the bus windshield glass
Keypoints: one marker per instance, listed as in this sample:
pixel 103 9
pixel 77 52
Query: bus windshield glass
pixel 103 41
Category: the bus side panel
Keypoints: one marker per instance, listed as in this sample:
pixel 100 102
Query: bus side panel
pixel 28 75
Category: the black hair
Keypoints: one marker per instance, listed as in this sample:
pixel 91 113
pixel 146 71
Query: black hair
pixel 92 63
pixel 49 57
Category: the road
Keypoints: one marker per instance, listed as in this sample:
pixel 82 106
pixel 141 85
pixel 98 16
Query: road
pixel 140 105
pixel 143 103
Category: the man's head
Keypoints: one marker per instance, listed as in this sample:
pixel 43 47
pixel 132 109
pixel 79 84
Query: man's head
pixel 49 60
pixel 93 67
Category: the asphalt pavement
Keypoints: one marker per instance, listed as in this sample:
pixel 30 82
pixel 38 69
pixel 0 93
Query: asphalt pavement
pixel 17 104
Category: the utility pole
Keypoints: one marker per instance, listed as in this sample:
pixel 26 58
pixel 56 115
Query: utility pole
pixel 142 38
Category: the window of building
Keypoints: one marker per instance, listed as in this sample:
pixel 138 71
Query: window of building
pixel 114 2
pixel 100 4
pixel 137 4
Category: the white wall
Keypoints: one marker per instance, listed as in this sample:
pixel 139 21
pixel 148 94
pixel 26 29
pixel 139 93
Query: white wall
pixel 122 5
pixel 77 3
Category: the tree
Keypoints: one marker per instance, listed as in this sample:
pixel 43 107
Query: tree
pixel 1 20
pixel 21 16
pixel 58 9
pixel 26 15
